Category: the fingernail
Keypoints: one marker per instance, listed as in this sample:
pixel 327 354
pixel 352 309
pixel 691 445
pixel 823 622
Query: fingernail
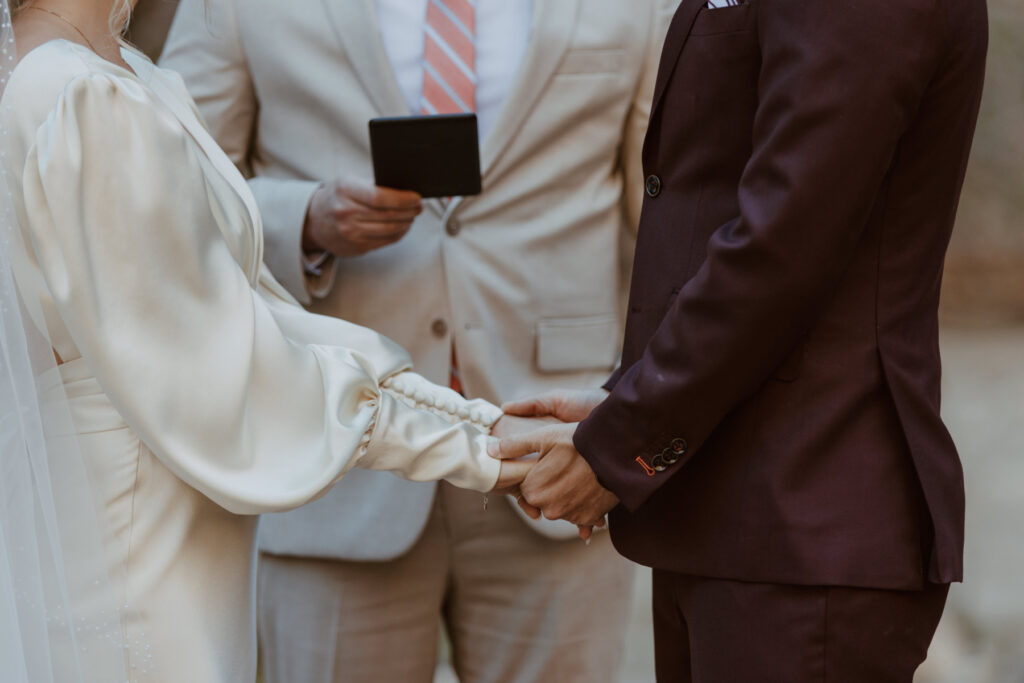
pixel 587 541
pixel 494 448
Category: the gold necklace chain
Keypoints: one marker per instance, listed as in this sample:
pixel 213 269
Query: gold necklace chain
pixel 77 30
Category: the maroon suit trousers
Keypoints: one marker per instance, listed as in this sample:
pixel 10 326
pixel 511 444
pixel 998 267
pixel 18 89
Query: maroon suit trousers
pixel 718 631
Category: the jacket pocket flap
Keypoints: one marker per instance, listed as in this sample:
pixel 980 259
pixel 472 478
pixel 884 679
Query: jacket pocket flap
pixel 586 343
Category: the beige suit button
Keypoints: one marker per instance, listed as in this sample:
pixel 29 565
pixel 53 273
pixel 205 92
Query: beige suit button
pixel 454 227
pixel 439 328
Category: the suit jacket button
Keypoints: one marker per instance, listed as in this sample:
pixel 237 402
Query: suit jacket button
pixel 679 446
pixel 439 328
pixel 658 463
pixel 453 227
pixel 669 457
pixel 653 186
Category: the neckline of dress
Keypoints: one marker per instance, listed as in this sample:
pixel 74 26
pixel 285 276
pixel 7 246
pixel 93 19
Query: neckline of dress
pixel 131 70
pixel 142 72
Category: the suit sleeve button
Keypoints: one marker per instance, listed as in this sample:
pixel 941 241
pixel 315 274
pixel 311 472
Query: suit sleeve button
pixel 653 186
pixel 679 446
pixel 658 463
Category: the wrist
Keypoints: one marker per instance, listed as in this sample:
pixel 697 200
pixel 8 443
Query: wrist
pixel 310 244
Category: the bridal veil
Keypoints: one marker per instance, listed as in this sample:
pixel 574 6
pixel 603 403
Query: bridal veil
pixel 60 611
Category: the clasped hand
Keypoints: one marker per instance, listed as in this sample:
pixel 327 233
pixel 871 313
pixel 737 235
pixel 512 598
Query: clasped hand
pixel 557 482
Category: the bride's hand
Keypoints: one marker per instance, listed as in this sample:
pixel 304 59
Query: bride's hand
pixel 512 474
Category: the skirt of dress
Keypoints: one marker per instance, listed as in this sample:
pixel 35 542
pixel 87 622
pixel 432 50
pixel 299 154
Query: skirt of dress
pixel 184 566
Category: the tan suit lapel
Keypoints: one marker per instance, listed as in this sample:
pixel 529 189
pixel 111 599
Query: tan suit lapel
pixel 553 24
pixel 355 23
pixel 551 31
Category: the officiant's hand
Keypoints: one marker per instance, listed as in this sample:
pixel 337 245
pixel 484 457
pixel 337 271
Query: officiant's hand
pixel 566 405
pixel 561 485
pixel 349 218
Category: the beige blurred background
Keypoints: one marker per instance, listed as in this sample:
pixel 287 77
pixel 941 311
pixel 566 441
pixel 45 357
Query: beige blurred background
pixel 981 639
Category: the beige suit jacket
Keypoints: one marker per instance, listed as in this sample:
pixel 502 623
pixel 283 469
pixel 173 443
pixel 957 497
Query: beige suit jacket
pixel 527 279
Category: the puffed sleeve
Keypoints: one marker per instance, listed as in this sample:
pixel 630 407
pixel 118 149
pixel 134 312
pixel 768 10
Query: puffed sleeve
pixel 242 394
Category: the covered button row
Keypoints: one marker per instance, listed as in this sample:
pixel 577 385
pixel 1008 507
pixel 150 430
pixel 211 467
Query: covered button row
pixel 670 456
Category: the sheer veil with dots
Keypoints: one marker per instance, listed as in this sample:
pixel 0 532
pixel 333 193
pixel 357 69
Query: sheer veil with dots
pixel 62 611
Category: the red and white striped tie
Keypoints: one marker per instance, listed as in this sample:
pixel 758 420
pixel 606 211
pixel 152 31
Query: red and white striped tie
pixel 449 57
pixel 449 77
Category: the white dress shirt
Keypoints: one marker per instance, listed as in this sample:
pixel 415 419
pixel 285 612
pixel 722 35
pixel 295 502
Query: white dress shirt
pixel 502 35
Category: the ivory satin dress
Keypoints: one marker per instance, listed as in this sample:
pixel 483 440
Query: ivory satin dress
pixel 202 393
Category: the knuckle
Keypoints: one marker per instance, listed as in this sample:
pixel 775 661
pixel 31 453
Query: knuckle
pixel 556 510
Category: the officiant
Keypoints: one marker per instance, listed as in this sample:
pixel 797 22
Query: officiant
pixel 510 292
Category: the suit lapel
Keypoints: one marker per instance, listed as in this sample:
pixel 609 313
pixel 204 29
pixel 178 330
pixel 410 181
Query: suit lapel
pixel 550 33
pixel 675 41
pixel 358 31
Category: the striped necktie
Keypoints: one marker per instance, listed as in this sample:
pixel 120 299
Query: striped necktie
pixel 449 78
pixel 449 57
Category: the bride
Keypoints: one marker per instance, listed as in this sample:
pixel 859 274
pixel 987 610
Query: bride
pixel 180 391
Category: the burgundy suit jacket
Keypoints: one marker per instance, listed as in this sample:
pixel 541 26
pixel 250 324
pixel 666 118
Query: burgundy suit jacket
pixel 776 416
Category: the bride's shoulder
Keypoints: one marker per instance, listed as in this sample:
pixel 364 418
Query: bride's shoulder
pixel 44 71
pixel 46 74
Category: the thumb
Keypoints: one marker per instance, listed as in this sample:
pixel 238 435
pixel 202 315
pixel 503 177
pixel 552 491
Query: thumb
pixel 520 445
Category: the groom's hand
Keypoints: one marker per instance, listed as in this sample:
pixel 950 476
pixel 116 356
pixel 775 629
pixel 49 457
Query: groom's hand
pixel 561 485
pixel 514 425
pixel 565 404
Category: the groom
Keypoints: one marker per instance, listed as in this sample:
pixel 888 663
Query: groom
pixel 773 434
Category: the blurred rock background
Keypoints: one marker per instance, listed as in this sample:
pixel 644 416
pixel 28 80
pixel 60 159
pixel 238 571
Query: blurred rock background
pixel 985 269
pixel 981 639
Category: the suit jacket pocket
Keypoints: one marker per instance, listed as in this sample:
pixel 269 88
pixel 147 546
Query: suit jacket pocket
pixel 724 20
pixel 570 344
pixel 591 61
